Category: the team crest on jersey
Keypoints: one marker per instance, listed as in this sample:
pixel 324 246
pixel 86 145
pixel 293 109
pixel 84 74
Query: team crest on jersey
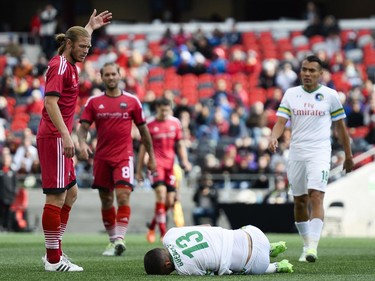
pixel 319 97
pixel 123 105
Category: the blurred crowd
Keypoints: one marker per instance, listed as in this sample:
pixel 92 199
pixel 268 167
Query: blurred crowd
pixel 225 87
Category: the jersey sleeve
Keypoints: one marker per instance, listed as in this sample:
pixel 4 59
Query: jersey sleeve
pixel 88 113
pixel 337 110
pixel 139 117
pixel 284 107
pixel 54 79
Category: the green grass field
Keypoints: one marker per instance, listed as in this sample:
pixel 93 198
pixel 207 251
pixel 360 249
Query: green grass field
pixel 20 259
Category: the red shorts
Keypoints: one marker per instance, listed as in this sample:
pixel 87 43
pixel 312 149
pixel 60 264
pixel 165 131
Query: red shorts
pixel 58 172
pixel 108 174
pixel 164 176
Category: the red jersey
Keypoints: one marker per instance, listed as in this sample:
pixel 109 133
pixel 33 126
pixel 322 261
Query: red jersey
pixel 164 135
pixel 62 81
pixel 113 117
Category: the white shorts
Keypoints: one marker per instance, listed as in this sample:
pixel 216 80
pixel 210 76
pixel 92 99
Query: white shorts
pixel 305 175
pixel 260 255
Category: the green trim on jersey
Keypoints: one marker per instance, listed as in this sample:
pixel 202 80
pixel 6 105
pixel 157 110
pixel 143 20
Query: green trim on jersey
pixel 312 90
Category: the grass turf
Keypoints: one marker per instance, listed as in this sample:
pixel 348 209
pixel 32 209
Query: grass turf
pixel 20 259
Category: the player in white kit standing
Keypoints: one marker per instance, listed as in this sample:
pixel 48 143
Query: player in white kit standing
pixel 311 109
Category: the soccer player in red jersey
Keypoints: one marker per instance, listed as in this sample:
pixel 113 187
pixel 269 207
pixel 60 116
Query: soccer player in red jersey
pixel 113 113
pixel 55 145
pixel 166 134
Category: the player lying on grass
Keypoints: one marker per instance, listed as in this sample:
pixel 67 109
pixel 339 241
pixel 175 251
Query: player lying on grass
pixel 203 250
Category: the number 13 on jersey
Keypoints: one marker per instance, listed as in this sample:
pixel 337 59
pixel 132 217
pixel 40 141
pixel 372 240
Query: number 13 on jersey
pixel 192 241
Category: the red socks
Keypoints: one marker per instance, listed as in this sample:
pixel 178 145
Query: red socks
pixel 122 220
pixel 109 221
pixel 51 222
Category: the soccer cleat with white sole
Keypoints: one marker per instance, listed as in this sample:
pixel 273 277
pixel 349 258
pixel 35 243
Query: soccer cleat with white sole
pixel 119 247
pixel 311 255
pixel 63 265
pixel 277 248
pixel 109 250
pixel 302 257
pixel 284 266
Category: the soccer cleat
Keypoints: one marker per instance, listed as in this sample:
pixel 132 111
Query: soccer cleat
pixel 277 248
pixel 284 266
pixel 302 257
pixel 311 255
pixel 109 250
pixel 151 236
pixel 63 265
pixel 119 247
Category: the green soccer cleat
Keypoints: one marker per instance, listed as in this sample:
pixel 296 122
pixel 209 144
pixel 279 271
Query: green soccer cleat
pixel 109 250
pixel 277 248
pixel 311 255
pixel 284 266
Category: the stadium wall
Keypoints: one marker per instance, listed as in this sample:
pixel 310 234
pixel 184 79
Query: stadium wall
pixel 349 204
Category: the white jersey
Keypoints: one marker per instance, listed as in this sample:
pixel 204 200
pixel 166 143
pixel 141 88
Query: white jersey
pixel 311 115
pixel 200 250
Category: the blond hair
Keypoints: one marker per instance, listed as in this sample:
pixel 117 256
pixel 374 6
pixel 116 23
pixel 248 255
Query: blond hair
pixel 72 33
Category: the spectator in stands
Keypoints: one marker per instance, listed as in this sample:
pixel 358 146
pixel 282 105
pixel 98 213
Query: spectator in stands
pixel 330 26
pixel 4 119
pixel 167 39
pixel 138 68
pixel 279 195
pixel 267 78
pixel 218 63
pixel 237 126
pixel 256 120
pixel 200 65
pixel 216 38
pixel 356 117
pixel 273 100
pixel 23 67
pixel 233 36
pixel 286 77
pixel 181 37
pixel 35 24
pixel 8 187
pixel 202 46
pixel 351 41
pixel 26 158
pixel 312 159
pixel 35 102
pixel 48 28
pixel 55 143
pixel 253 65
pixel 311 12
pixel 206 198
pixel 236 64
pixel 262 172
pixel 186 64
pixel 240 94
pixel 40 66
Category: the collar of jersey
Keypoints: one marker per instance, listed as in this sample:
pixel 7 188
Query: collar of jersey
pixel 319 85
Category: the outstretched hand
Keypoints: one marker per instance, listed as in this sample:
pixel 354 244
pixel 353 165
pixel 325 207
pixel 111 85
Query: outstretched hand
pixel 97 21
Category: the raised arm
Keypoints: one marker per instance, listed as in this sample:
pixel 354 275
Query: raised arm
pixel 97 21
